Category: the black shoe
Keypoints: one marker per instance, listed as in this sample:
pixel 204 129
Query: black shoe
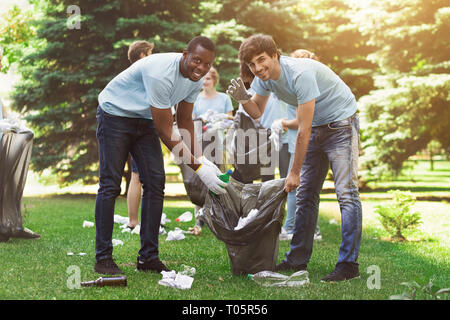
pixel 107 266
pixel 152 265
pixel 284 265
pixel 343 271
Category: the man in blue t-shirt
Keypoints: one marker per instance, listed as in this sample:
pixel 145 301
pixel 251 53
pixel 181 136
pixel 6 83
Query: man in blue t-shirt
pixel 328 133
pixel 134 113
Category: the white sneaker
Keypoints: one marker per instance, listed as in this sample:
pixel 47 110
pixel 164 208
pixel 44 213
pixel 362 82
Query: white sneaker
pixel 286 236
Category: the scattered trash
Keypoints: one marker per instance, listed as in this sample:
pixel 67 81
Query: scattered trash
pixel 87 224
pixel 176 234
pixel 136 230
pixel 332 221
pixel 117 242
pixel 101 282
pixel 185 217
pixel 244 221
pixel 164 219
pixel 121 220
pixel 196 231
pixel 78 254
pixel 273 279
pixel 187 270
pixel 162 231
pixel 176 280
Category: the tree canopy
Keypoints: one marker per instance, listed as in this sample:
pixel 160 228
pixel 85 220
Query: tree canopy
pixel 392 54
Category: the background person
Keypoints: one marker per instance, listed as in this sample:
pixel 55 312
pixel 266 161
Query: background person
pixel 136 51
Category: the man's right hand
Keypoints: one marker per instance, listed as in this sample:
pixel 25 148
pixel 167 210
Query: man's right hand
pixel 238 92
pixel 209 177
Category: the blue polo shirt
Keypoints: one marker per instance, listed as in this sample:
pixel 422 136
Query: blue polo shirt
pixel 302 80
pixel 154 81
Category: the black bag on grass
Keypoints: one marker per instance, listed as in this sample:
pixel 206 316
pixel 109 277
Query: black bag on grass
pixel 15 153
pixel 254 247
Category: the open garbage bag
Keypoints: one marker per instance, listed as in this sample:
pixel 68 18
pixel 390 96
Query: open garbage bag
pixel 247 151
pixel 15 153
pixel 253 247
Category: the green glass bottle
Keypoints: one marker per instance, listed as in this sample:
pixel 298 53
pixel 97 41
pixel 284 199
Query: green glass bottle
pixel 225 178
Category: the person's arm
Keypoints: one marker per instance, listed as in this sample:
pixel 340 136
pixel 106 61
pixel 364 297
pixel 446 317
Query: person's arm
pixel 255 106
pixel 289 124
pixel 162 119
pixel 184 121
pixel 4 113
pixel 305 114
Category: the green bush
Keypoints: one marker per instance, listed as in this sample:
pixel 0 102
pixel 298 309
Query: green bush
pixel 396 217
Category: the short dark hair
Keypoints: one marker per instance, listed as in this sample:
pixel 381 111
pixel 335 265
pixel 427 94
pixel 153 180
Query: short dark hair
pixel 253 46
pixel 138 47
pixel 202 41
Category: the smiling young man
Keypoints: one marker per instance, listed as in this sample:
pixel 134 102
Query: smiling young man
pixel 328 133
pixel 134 113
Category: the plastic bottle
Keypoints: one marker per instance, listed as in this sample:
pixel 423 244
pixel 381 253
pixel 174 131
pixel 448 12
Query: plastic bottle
pixel 101 282
pixel 225 178
pixel 185 217
pixel 273 279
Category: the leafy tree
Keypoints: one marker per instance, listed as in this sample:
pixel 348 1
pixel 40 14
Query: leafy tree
pixel 62 78
pixel 411 106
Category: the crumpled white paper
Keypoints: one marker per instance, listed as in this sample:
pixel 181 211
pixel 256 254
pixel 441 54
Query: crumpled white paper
pixel 276 130
pixel 246 220
pixel 176 280
pixel 117 242
pixel 176 234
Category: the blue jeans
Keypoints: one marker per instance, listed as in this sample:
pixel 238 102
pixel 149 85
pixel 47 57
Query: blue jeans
pixel 335 144
pixel 117 137
pixel 291 206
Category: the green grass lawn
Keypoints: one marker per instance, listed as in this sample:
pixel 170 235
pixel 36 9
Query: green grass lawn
pixel 38 269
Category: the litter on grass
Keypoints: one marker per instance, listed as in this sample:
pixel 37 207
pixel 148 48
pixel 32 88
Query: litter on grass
pixel 176 280
pixel 88 224
pixel 273 279
pixel 185 217
pixel 117 242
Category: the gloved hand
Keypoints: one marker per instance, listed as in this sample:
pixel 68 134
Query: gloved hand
pixel 276 131
pixel 209 177
pixel 238 92
pixel 206 162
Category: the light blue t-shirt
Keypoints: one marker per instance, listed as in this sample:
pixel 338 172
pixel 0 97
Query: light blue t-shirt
pixel 302 80
pixel 291 133
pixel 154 81
pixel 220 103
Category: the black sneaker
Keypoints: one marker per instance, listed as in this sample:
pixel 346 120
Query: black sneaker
pixel 152 265
pixel 107 266
pixel 284 265
pixel 343 271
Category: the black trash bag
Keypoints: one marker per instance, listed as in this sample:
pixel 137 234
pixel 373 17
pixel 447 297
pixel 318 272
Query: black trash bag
pixel 15 153
pixel 253 248
pixel 196 190
pixel 246 153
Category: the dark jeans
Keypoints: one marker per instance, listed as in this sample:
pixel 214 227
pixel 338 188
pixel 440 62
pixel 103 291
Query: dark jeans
pixel 117 137
pixel 335 144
